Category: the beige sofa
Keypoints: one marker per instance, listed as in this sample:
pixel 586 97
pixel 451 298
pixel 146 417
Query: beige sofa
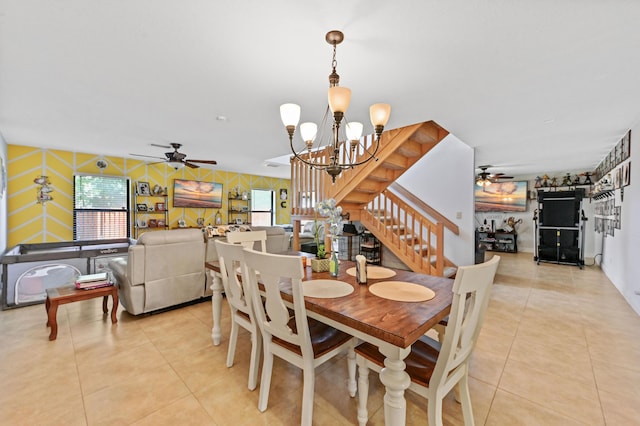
pixel 164 268
pixel 307 232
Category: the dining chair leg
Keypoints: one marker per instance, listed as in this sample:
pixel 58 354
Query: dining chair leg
pixel 256 349
pixel 434 410
pixel 265 382
pixel 352 385
pixel 233 338
pixel 465 396
pixel 308 377
pixel 363 392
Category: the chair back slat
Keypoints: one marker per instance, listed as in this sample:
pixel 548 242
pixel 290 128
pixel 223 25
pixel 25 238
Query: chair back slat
pixel 249 239
pixel 230 257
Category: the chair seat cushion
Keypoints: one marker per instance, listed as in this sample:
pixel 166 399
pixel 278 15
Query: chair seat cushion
pixel 419 364
pixel 324 338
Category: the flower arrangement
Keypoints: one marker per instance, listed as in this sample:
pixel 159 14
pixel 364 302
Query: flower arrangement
pixel 333 215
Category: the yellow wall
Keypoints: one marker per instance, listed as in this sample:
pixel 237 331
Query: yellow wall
pixel 30 222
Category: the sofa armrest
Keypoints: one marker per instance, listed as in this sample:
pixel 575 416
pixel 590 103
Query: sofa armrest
pixel 135 265
pixel 118 268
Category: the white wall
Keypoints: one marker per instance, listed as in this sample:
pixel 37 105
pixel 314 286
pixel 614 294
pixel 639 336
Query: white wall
pixel 3 195
pixel 620 261
pixel 444 179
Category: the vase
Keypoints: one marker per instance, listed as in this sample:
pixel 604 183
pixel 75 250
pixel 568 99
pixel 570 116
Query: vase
pixel 320 265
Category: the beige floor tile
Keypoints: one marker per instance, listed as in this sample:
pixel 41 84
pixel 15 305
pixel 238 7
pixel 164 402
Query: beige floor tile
pixel 571 363
pixel 512 410
pixel 186 411
pixel 620 408
pixel 128 401
pixel 570 397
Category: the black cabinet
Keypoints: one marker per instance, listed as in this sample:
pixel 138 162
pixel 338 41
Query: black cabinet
pixel 559 227
pixel 499 241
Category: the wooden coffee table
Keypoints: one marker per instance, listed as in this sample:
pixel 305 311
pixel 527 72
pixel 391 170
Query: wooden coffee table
pixel 68 294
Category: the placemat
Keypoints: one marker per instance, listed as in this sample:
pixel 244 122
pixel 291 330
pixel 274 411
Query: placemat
pixel 401 291
pixel 374 272
pixel 326 289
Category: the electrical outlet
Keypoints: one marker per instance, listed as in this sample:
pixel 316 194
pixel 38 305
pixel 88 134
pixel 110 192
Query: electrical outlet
pixel 458 215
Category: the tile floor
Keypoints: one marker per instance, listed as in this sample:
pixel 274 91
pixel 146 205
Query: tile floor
pixel 559 346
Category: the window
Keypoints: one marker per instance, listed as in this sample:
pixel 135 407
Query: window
pixel 100 207
pixel 262 207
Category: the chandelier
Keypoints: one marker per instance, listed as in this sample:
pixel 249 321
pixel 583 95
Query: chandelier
pixel 339 98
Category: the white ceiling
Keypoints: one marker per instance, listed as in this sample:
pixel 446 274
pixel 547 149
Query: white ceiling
pixel 538 86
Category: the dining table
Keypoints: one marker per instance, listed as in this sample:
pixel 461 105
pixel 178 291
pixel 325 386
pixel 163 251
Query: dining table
pixel 392 325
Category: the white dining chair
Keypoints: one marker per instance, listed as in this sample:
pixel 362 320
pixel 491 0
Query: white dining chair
pixel 248 239
pixel 230 257
pixel 434 368
pixel 301 341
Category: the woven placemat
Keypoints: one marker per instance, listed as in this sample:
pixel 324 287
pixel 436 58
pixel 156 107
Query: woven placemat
pixel 374 272
pixel 326 289
pixel 401 291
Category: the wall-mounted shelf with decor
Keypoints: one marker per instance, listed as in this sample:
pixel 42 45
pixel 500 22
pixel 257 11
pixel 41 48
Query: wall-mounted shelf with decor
pixel 151 210
pixel 239 209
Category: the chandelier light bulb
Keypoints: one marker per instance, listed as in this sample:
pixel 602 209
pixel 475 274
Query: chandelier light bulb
pixel 379 114
pixel 354 130
pixel 308 132
pixel 290 114
pixel 339 98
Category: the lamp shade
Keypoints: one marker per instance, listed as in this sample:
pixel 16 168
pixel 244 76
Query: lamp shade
pixel 290 114
pixel 176 164
pixel 354 131
pixel 379 114
pixel 308 131
pixel 339 98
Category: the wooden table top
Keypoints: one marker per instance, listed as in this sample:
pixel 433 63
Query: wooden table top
pixel 398 323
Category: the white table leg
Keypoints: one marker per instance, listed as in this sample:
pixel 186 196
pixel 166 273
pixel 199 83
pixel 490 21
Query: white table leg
pixel 216 306
pixel 396 380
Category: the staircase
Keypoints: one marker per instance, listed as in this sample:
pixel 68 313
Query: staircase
pixel 362 193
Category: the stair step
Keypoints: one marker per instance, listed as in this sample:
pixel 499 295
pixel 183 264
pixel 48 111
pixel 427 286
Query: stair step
pixel 421 248
pixel 432 259
pixel 449 271
pixel 407 237
pixel 395 227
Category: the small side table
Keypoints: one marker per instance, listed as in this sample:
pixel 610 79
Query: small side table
pixel 68 294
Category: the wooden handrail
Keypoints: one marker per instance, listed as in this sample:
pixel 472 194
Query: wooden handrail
pixel 439 217
pixel 406 233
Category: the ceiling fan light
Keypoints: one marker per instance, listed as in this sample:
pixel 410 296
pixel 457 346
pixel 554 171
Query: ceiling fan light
pixel 379 114
pixel 290 114
pixel 176 164
pixel 339 99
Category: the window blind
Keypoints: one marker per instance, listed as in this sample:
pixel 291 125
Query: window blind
pixel 100 207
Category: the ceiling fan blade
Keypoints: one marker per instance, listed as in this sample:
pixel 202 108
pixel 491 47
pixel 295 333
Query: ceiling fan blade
pixel 148 156
pixel 160 146
pixel 203 161
pixel 193 166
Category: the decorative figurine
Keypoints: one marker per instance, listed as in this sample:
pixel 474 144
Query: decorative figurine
pixel 538 183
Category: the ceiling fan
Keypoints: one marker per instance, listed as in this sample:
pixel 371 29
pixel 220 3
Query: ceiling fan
pixel 485 178
pixel 176 159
